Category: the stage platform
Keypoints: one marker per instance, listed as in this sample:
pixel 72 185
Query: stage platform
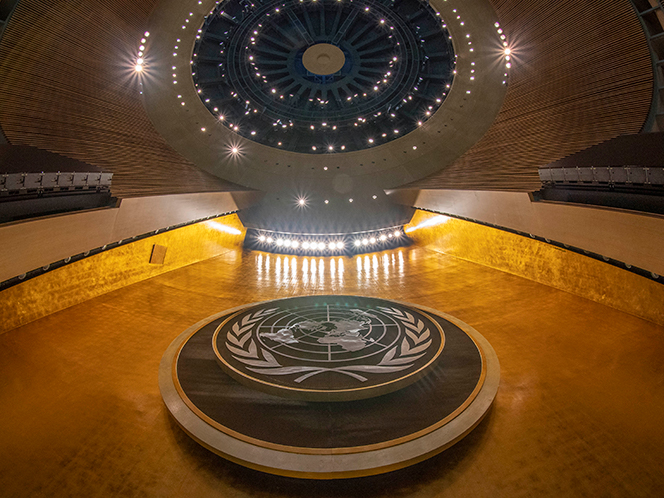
pixel 329 387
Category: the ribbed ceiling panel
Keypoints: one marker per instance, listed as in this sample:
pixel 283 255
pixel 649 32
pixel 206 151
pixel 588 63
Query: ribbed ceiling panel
pixel 581 75
pixel 66 86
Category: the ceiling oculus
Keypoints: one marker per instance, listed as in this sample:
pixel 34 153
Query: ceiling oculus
pixel 323 76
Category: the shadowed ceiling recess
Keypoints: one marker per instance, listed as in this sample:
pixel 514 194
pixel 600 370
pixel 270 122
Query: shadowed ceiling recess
pixel 398 65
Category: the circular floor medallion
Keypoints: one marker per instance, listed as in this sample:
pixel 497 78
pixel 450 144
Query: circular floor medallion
pixel 432 403
pixel 335 348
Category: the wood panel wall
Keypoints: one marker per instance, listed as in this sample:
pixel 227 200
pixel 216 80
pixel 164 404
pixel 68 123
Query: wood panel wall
pixel 66 86
pixel 581 75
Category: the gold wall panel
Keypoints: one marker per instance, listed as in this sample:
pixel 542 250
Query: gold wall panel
pixel 115 268
pixel 541 262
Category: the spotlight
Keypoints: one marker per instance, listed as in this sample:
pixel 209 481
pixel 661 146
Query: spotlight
pixel 365 242
pixel 138 68
pixel 301 201
pixel 262 238
pixel 269 240
pixel 321 246
pixel 357 243
pixel 332 246
pixel 295 244
pixel 280 242
pixel 508 51
pixel 372 240
pixel 287 243
pixel 305 245
pixel 383 238
pixel 235 150
pixel 397 233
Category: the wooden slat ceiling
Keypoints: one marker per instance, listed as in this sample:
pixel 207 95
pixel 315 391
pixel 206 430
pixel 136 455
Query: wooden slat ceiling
pixel 581 75
pixel 65 87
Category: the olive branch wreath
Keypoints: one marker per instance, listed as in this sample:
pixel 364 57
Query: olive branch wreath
pixel 240 343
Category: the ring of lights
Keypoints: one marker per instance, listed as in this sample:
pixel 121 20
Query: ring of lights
pixel 325 244
pixel 178 113
pixel 288 437
pixel 396 66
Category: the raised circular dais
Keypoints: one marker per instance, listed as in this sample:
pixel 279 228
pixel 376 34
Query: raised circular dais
pixel 323 59
pixel 337 341
pixel 331 349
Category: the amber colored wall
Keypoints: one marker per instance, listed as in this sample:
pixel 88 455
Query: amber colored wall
pixel 543 263
pixel 631 237
pixel 110 270
pixel 41 241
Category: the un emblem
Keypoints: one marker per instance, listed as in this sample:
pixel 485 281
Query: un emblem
pixel 328 348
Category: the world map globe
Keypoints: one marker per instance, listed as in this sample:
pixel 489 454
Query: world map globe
pixel 350 333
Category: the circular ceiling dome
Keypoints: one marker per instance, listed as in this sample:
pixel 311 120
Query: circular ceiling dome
pixel 307 76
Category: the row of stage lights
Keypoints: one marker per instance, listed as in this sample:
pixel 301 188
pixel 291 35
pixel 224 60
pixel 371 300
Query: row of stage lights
pixel 358 242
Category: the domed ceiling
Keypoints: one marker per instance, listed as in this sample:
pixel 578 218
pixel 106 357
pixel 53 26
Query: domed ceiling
pixel 308 76
pixel 323 101
pixel 581 74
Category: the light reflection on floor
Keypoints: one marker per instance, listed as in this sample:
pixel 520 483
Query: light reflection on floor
pixel 316 272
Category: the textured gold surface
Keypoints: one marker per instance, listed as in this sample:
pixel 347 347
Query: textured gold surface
pixel 115 268
pixel 541 262
pixel 578 412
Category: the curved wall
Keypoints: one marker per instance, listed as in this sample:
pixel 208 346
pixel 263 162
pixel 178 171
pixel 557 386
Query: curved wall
pixel 118 267
pixel 540 262
pixel 67 86
pixel 581 74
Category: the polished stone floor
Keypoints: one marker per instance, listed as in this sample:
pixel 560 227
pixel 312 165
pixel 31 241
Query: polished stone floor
pixel 579 412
